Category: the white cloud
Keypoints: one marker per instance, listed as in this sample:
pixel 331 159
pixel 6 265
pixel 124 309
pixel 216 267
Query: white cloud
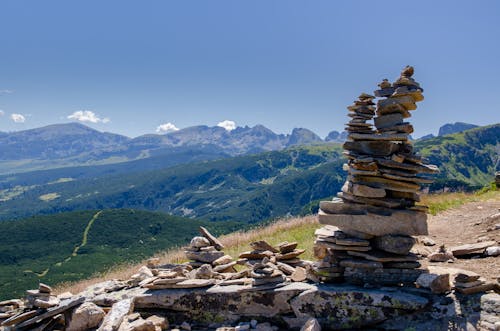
pixel 18 118
pixel 87 116
pixel 166 127
pixel 6 91
pixel 2 113
pixel 228 125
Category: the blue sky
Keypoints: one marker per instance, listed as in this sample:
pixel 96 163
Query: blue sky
pixel 134 65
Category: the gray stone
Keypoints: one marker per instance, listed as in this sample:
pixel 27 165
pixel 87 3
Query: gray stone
pixel 116 315
pixel 401 222
pixel 471 248
pixel 359 263
pixel 207 257
pixel 340 207
pixel 213 240
pixel 263 245
pixel 223 260
pixel 63 306
pixel 336 247
pixel 371 147
pixel 337 307
pixel 379 136
pixel 312 324
pixel 86 316
pixel 437 283
pixel 394 244
pixel 388 120
pixel 286 247
pixel 379 256
pixel 199 242
pixel 386 183
pixel 492 251
pixel 402 265
pixel 406 101
pixel 363 190
pixel 44 288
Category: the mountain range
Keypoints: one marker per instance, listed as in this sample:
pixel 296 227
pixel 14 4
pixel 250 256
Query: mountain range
pixel 74 144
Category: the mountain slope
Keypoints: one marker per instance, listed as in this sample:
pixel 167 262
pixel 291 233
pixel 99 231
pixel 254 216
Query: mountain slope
pixel 76 245
pixel 466 159
pixel 218 190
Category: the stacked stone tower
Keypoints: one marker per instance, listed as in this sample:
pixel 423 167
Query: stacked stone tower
pixel 369 227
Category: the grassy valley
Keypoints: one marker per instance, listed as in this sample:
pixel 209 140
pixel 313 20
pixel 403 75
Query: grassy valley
pixel 76 245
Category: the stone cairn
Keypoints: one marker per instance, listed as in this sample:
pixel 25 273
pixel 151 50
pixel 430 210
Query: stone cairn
pixel 367 237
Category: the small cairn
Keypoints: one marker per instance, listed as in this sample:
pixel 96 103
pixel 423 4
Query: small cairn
pixel 41 298
pixel 470 283
pixel 285 253
pixel 369 227
pixel 208 264
pixel 266 273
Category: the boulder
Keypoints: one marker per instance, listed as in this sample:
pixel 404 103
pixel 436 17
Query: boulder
pixel 199 242
pixel 345 307
pixel 86 316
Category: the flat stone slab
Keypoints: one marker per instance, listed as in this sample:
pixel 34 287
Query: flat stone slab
pixel 379 137
pixel 379 256
pixel 471 248
pixel 401 222
pixel 345 307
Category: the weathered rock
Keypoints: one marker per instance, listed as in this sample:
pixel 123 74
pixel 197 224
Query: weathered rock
pixel 379 137
pixel 471 248
pixel 402 265
pixel 213 240
pixel 63 306
pixel 224 267
pixel 199 242
pixel 440 256
pixel 477 289
pixel 371 147
pixel 312 324
pixel 137 325
pixel 19 318
pixel 359 263
pixel 351 307
pixel 289 255
pixel 116 315
pixel 263 245
pixel 86 316
pixel 401 222
pixel 383 276
pixel 203 304
pixel 363 190
pixel 256 255
pixel 201 256
pixel 427 241
pixel 394 244
pixel 161 323
pixel 492 251
pixel 379 256
pixel 389 120
pixel 286 247
pixel 437 283
pixel 299 274
pixel 223 260
pixel 44 288
pixel 45 303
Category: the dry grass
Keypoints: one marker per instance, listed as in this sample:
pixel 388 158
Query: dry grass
pixel 291 229
pixel 440 202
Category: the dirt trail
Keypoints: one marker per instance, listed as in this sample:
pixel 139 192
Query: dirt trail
pixel 467 224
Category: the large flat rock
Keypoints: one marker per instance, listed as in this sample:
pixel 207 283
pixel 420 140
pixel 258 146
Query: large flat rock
pixel 401 222
pixel 348 307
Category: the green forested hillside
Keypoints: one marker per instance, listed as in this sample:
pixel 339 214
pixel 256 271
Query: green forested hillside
pixel 75 245
pixel 247 188
pixel 467 159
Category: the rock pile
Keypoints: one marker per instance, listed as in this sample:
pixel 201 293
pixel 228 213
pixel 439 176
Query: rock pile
pixel 207 249
pixel 284 252
pixel 372 220
pixel 470 283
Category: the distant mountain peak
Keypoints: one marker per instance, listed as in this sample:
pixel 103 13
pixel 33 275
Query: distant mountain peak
pixel 456 127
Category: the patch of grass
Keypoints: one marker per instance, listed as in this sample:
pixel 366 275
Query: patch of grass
pixel 440 202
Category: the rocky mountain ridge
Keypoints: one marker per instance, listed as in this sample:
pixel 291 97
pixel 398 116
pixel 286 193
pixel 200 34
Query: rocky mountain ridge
pixel 72 144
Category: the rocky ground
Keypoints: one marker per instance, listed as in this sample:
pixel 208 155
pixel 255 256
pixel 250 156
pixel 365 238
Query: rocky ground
pixel 470 223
